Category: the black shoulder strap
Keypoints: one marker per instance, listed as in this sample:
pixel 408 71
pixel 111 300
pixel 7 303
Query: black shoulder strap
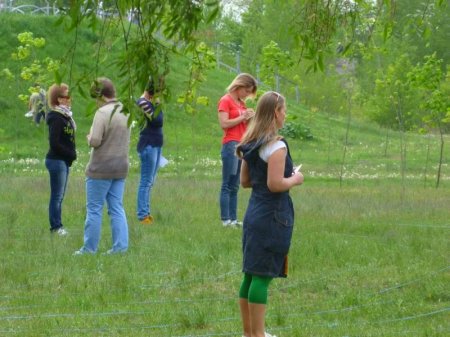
pixel 287 146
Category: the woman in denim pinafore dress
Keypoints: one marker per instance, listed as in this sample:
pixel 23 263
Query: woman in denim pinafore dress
pixel 269 219
pixel 268 223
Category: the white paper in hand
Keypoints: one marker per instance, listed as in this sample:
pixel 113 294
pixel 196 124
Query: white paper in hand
pixel 163 161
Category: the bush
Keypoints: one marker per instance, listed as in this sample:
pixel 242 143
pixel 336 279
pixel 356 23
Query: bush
pixel 296 130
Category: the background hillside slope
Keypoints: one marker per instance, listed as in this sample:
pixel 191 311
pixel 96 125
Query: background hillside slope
pixel 341 147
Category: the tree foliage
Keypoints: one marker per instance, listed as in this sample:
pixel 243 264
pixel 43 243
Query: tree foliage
pixel 434 88
pixel 274 61
pixel 150 33
pixel 291 37
pixel 34 70
pixel 394 97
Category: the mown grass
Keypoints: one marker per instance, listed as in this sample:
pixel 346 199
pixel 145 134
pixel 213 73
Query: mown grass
pixel 365 261
pixel 369 255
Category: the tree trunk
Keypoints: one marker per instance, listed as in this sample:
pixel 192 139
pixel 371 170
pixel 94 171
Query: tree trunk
pixel 441 155
pixel 427 160
pixel 349 118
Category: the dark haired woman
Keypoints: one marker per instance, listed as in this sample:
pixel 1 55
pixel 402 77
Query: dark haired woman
pixel 149 149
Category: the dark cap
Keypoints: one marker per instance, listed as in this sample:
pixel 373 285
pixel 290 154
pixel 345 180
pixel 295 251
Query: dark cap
pixel 151 87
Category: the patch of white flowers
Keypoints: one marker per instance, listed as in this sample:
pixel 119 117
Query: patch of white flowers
pixel 211 167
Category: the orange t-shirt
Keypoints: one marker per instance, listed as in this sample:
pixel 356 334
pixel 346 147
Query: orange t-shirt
pixel 234 110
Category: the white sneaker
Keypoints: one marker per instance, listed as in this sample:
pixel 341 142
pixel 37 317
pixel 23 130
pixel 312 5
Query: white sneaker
pixel 61 232
pixel 236 223
pixel 268 335
pixel 82 251
pixel 113 252
pixel 226 223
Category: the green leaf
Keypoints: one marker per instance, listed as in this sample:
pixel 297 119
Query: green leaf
pixel 82 91
pixel 320 62
pixel 203 100
pixel 426 33
pixel 346 48
pixel 91 107
pixel 58 78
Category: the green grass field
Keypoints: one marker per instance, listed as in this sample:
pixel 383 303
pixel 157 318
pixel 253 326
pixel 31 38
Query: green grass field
pixel 369 256
pixel 365 261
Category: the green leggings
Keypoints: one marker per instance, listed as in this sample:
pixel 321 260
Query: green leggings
pixel 254 288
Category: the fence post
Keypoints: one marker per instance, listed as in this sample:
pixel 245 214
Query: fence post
pixel 277 82
pixel 257 73
pixel 238 61
pixel 218 55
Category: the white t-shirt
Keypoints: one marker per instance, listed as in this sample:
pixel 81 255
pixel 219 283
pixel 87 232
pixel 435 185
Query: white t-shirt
pixel 266 151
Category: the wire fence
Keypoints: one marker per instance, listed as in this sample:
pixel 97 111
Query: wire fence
pixel 232 60
pixel 51 8
pixel 47 9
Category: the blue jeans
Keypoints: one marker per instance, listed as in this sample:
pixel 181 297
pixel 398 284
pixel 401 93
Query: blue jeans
pixel 231 169
pixel 40 115
pixel 149 167
pixel 59 174
pixel 97 191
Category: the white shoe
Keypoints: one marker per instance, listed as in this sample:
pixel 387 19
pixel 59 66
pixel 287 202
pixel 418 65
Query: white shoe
pixel 61 232
pixel 29 114
pixel 236 223
pixel 229 223
pixel 82 251
pixel 226 223
pixel 268 335
pixel 112 252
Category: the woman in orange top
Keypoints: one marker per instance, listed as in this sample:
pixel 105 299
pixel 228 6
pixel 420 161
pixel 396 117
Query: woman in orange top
pixel 233 118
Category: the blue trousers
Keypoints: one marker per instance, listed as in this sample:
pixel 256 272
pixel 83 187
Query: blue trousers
pixel 97 192
pixel 231 170
pixel 59 174
pixel 149 157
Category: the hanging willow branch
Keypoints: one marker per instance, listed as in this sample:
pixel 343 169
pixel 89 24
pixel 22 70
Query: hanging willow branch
pixel 151 31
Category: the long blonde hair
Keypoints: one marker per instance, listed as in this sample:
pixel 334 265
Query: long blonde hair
pixel 243 80
pixel 263 127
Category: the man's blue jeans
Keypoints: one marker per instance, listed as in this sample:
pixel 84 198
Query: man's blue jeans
pixel 97 191
pixel 59 174
pixel 40 115
pixel 150 157
pixel 231 169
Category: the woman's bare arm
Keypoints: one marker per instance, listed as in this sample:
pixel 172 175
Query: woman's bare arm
pixel 275 173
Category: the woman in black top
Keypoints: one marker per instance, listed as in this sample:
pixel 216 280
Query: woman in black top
pixel 149 149
pixel 61 153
